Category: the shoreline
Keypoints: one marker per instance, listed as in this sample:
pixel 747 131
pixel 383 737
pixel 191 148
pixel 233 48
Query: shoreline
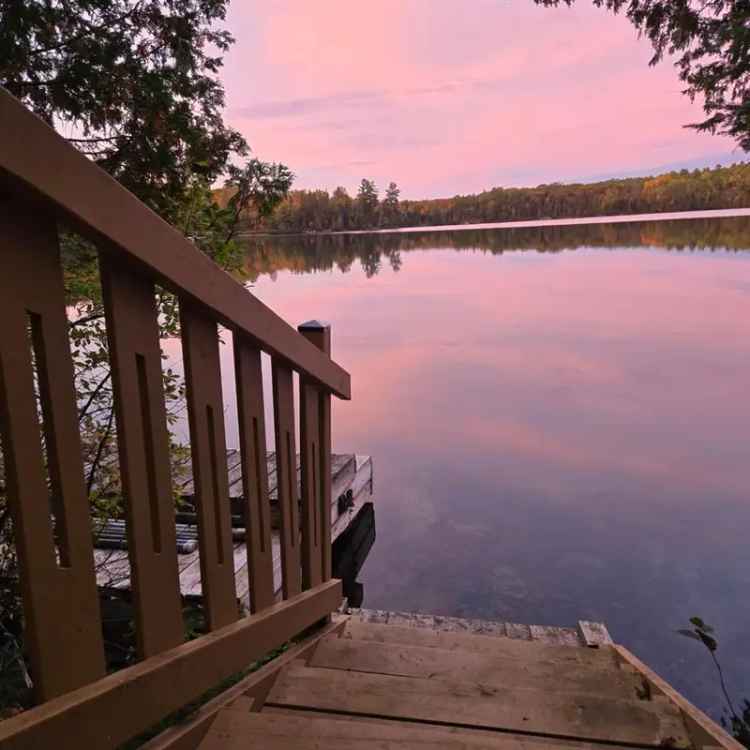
pixel 713 213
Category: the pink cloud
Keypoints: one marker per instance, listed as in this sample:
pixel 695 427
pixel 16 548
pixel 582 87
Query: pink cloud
pixel 446 98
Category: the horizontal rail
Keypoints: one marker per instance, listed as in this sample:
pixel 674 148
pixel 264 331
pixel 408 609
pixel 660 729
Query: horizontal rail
pixel 112 710
pixel 101 209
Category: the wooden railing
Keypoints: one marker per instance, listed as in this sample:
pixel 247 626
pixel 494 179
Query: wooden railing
pixel 45 182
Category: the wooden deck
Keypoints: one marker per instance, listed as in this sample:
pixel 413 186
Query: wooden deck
pixel 350 473
pixel 367 686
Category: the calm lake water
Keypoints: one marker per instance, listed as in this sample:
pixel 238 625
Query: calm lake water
pixel 558 418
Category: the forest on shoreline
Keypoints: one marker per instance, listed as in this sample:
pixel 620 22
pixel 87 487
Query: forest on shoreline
pixel 320 211
pixel 267 255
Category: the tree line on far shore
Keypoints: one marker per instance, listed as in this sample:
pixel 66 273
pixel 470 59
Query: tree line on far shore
pixel 685 190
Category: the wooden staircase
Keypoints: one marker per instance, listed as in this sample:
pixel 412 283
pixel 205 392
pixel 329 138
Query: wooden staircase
pixel 366 686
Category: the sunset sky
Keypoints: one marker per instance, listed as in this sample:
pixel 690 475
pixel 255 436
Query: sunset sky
pixel 448 97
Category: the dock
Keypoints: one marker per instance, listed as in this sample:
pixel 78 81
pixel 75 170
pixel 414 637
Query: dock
pixel 351 489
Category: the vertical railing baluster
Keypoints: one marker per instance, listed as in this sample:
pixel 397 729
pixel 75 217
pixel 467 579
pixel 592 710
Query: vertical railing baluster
pixel 143 442
pixel 310 485
pixel 200 347
pixel 61 605
pixel 252 429
pixel 319 334
pixel 286 472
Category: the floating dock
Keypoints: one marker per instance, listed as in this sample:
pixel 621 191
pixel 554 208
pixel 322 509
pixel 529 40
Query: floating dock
pixel 351 489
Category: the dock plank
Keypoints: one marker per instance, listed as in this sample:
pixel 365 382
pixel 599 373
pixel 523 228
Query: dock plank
pixel 481 644
pixel 349 471
pixel 475 705
pixel 285 731
pixel 546 672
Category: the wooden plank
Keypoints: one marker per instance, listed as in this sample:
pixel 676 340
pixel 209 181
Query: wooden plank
pixel 551 673
pixel 252 428
pixel 470 626
pixel 187 734
pixel 101 208
pixel 703 731
pixel 143 442
pixel 326 540
pixel 234 466
pixel 594 634
pixel 298 730
pixel 102 715
pixel 311 485
pixel 471 704
pixel 200 349
pixel 319 334
pixel 509 648
pixel 283 407
pixel 65 652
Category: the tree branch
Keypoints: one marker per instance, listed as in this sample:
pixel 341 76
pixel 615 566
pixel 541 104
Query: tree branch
pixel 99 452
pixel 94 394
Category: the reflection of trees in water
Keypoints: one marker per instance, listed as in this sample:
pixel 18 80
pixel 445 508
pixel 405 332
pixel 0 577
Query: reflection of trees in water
pixel 268 254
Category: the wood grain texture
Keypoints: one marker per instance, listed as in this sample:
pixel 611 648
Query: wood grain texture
pixel 56 566
pixel 103 210
pixel 311 485
pixel 187 734
pixel 102 715
pixel 298 730
pixel 550 673
pixel 704 732
pixel 471 626
pixel 283 408
pixel 475 705
pixel 143 443
pixel 200 348
pixel 252 429
pixel 319 335
pixel 594 634
pixel 510 648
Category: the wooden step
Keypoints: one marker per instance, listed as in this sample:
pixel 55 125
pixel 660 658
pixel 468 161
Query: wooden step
pixel 286 731
pixel 510 648
pixel 587 717
pixel 546 671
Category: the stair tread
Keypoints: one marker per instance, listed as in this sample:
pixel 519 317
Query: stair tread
pixel 513 648
pixel 548 670
pixel 293 730
pixel 473 704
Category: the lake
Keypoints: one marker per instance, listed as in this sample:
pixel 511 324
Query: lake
pixel 558 418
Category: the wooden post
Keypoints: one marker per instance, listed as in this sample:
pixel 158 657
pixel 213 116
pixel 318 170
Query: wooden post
pixel 319 334
pixel 252 428
pixel 61 606
pixel 286 478
pixel 143 442
pixel 208 449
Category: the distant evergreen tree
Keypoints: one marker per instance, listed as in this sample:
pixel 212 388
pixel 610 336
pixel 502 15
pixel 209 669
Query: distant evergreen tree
pixel 367 202
pixel 390 205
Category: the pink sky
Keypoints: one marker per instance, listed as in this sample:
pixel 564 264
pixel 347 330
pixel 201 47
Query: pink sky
pixel 450 97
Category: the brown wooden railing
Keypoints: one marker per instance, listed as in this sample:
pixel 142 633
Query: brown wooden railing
pixel 44 181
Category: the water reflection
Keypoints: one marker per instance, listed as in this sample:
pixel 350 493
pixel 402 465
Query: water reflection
pixel 557 436
pixel 267 255
pixel 350 550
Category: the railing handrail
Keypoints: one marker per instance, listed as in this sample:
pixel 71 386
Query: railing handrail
pixel 106 713
pixel 45 182
pixel 84 194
